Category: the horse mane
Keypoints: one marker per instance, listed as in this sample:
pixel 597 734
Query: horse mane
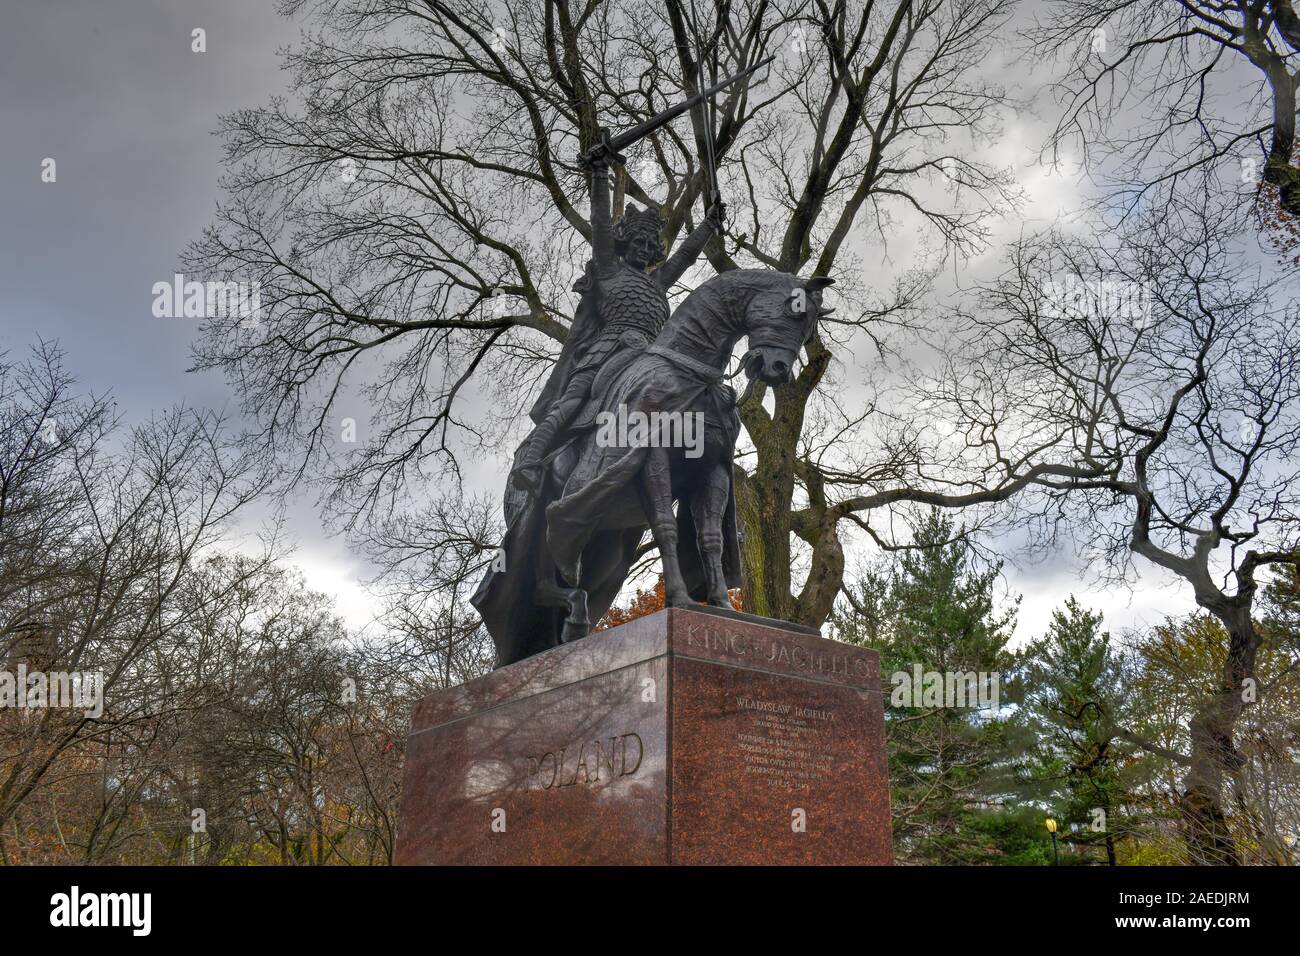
pixel 719 293
pixel 718 304
pixel 749 280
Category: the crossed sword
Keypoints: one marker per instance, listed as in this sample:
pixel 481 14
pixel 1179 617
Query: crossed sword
pixel 612 146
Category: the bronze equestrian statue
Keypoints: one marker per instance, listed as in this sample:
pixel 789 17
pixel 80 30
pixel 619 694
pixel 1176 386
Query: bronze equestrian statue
pixel 577 504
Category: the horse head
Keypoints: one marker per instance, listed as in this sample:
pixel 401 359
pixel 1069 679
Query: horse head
pixel 779 319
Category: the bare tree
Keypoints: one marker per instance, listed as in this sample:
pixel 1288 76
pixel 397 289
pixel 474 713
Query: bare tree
pixel 1157 374
pixel 429 564
pixel 98 531
pixel 415 216
pixel 1177 87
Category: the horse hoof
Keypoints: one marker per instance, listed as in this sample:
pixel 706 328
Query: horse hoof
pixel 574 631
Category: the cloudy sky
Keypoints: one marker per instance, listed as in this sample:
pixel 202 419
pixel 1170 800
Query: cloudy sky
pixel 113 93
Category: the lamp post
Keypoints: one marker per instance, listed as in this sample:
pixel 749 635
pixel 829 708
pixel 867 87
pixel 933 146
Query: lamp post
pixel 1056 855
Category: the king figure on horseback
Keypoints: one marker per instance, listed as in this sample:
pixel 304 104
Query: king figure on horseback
pixel 624 306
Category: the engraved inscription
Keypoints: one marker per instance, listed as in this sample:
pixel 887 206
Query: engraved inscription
pixel 779 743
pixel 773 652
pixel 590 763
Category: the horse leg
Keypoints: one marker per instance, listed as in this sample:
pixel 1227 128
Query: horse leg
pixel 550 594
pixel 657 501
pixel 708 505
pixel 605 564
pixel 576 625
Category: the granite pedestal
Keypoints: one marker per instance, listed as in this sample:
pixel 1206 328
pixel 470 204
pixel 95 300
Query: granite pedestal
pixel 683 737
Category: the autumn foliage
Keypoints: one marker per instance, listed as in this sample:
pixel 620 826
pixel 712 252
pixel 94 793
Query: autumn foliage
pixel 647 602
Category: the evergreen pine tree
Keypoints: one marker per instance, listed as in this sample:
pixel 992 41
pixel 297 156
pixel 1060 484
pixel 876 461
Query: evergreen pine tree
pixel 1074 696
pixel 950 766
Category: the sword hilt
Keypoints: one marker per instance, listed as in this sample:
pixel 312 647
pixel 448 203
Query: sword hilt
pixel 603 152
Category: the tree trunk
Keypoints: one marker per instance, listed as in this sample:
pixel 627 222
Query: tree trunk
pixel 764 507
pixel 1215 759
pixel 763 513
pixel 1278 169
pixel 1110 834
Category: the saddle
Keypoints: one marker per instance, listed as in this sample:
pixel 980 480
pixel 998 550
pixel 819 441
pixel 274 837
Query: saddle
pixel 634 346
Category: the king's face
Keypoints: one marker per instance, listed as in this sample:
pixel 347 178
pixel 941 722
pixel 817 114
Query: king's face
pixel 643 249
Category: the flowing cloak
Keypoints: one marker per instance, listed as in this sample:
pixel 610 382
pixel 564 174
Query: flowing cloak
pixel 504 598
pixel 600 482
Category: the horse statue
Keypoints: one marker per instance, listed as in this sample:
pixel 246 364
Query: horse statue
pixel 661 427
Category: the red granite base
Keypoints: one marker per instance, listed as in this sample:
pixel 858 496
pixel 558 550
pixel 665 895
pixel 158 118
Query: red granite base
pixel 682 737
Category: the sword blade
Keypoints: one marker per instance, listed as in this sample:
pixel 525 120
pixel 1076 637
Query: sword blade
pixel 641 130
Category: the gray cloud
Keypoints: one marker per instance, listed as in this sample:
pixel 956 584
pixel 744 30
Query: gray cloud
pixel 115 95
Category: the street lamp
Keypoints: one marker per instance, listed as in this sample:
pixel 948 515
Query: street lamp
pixel 1056 854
